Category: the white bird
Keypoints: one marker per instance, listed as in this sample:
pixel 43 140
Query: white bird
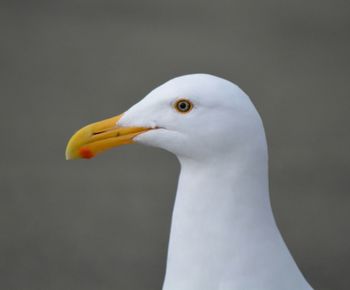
pixel 223 233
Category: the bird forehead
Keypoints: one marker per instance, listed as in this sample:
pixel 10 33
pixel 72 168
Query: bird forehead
pixel 169 94
pixel 203 90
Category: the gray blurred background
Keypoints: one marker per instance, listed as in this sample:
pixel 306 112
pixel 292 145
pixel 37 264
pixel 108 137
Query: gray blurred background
pixel 103 224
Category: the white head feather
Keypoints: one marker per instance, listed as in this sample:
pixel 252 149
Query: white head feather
pixel 223 234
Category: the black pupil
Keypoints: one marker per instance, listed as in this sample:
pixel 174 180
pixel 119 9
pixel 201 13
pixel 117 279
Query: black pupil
pixel 183 106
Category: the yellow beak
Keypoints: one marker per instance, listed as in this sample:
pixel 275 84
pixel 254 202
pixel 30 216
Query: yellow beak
pixel 100 136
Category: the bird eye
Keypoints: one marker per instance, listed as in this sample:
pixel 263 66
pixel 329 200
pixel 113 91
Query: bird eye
pixel 183 106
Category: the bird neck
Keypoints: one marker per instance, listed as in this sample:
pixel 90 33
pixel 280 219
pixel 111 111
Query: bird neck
pixel 223 230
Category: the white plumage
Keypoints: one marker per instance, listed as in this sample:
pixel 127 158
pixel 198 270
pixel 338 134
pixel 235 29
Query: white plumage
pixel 223 233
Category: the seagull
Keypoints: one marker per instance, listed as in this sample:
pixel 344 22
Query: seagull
pixel 223 233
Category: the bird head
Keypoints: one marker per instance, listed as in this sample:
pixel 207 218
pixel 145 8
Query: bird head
pixel 190 116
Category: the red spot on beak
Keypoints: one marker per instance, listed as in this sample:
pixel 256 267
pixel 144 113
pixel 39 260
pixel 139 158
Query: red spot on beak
pixel 85 153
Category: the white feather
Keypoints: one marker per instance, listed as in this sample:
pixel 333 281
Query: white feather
pixel 223 234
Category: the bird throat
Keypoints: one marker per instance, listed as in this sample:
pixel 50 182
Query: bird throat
pixel 223 231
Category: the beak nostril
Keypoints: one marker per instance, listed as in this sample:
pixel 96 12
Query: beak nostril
pixel 96 133
pixel 104 131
